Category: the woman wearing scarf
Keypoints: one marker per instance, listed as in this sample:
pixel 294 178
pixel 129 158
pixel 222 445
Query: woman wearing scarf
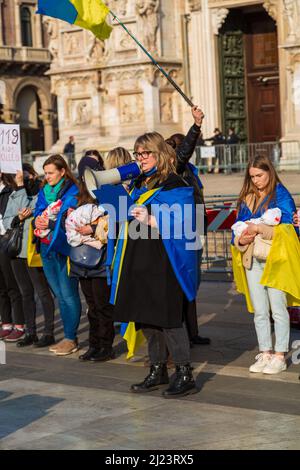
pixel 30 280
pixel 153 275
pixel 270 280
pixel 61 187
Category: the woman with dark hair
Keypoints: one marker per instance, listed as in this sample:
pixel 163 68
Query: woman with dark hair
pixel 266 274
pixel 19 210
pixel 93 280
pixel 147 286
pixel 60 187
pixel 11 307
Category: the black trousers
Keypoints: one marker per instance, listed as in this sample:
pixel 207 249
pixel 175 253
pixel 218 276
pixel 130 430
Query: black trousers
pixel 174 340
pixel 190 317
pixel 11 306
pixel 31 280
pixel 97 293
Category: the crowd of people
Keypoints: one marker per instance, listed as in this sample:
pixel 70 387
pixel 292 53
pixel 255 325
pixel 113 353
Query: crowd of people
pixel 64 235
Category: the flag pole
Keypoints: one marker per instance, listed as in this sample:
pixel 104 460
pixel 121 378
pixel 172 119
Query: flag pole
pixel 168 77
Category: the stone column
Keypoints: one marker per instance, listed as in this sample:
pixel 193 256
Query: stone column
pixel 47 118
pixel 38 38
pixel 18 24
pixel 204 25
pixel 1 24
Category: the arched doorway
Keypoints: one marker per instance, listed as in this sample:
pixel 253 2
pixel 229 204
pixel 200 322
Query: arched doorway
pixel 32 129
pixel 249 66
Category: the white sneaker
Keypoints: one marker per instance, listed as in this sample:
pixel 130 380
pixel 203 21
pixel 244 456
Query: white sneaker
pixel 262 360
pixel 275 366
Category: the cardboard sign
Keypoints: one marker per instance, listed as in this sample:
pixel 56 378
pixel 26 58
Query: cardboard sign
pixel 208 152
pixel 10 148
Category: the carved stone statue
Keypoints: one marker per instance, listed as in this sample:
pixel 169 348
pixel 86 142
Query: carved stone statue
pixel 148 12
pixel 52 30
pixel 292 12
pixel 119 7
pixel 82 113
pixel 95 49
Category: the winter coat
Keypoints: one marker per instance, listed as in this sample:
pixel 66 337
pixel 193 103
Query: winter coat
pixel 19 200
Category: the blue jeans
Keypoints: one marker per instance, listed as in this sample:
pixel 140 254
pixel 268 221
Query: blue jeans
pixel 263 299
pixel 65 290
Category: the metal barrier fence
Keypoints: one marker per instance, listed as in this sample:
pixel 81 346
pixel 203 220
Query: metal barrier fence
pixel 217 257
pixel 234 158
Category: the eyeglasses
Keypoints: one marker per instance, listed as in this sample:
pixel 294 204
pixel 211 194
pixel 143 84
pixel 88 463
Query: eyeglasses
pixel 143 155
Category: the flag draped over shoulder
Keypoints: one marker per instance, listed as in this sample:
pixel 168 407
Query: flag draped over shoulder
pixel 88 14
pixel 281 270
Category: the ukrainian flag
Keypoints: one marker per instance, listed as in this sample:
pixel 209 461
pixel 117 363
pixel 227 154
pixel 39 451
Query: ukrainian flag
pixel 88 14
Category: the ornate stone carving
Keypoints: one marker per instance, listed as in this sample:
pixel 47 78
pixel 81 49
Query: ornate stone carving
pixel 96 49
pixel 271 6
pixel 148 15
pixel 132 108
pixel 53 33
pixel 73 43
pixel 218 16
pixel 194 5
pixel 292 13
pixel 119 7
pixel 166 107
pixel 80 112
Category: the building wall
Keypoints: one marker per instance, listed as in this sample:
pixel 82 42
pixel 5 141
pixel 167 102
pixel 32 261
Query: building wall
pixel 22 67
pixel 206 19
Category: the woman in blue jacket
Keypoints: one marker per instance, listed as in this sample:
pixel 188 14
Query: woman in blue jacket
pixel 61 185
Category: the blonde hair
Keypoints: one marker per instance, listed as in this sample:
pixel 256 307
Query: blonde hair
pixel 164 154
pixel 117 157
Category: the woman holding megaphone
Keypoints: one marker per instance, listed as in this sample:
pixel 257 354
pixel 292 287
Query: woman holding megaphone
pixel 153 274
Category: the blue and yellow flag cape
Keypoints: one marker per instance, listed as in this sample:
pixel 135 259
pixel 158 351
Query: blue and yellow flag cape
pixel 282 270
pixel 183 260
pixel 88 14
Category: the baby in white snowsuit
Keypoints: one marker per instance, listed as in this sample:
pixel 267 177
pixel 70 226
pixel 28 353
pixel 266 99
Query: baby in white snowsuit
pixel 270 217
pixel 49 214
pixel 83 215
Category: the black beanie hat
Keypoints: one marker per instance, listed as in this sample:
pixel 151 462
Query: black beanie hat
pixel 88 162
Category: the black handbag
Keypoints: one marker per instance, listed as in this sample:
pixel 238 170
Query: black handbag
pixel 11 241
pixel 86 256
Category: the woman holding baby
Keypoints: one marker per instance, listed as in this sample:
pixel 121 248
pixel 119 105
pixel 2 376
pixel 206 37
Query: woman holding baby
pixel 58 193
pixel 86 228
pixel 269 283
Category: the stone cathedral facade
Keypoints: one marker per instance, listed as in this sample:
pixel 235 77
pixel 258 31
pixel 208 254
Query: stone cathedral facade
pixel 238 59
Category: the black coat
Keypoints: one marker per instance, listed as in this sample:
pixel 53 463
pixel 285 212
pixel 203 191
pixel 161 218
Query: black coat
pixel 4 196
pixel 149 292
pixel 184 153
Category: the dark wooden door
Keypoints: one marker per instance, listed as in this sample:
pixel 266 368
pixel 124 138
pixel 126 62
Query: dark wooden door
pixel 262 74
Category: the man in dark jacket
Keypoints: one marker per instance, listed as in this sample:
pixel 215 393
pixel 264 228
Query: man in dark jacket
pixel 69 151
pixel 184 147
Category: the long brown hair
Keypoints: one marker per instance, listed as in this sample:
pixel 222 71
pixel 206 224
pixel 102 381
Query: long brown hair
pixel 164 154
pixel 84 196
pixel 59 162
pixel 262 163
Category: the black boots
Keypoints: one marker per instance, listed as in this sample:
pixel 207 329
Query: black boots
pixel 44 341
pixel 183 383
pixel 158 376
pixel 28 340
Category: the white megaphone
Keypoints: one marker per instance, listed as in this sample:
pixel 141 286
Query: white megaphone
pixel 95 179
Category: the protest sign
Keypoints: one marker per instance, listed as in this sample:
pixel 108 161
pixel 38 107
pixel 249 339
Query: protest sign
pixel 10 148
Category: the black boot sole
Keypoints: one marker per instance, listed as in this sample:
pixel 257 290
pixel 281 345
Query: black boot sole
pixel 183 394
pixel 147 390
